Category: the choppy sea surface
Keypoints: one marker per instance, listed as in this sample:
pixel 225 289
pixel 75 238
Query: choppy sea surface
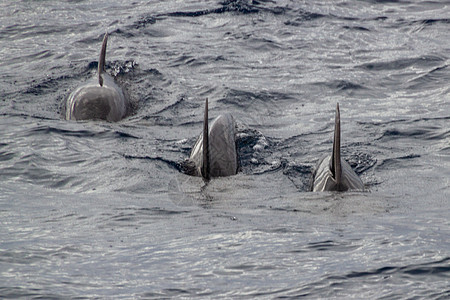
pixel 101 210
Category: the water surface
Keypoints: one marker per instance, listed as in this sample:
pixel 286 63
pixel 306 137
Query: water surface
pixel 101 210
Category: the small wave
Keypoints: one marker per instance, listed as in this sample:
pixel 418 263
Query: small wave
pixel 172 164
pixel 395 162
pixel 108 134
pixel 28 256
pixel 434 21
pixel 243 7
pixel 424 133
pixel 439 268
pixel 144 21
pixel 299 175
pixel 132 214
pixel 420 25
pixel 356 28
pixel 237 6
pixel 302 16
pixel 399 121
pixel 189 60
pixel 176 292
pixel 433 78
pixel 179 104
pixel 263 102
pixel 390 276
pixel 403 63
pixel 48 85
pixel 341 85
pixel 330 245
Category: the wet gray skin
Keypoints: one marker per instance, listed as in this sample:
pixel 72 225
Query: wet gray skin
pixel 220 158
pixel 100 98
pixel 333 173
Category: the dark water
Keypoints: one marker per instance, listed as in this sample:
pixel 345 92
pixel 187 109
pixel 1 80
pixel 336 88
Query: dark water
pixel 100 210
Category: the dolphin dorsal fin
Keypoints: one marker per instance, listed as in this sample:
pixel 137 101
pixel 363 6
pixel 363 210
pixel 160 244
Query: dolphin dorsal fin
pixel 101 60
pixel 336 156
pixel 206 160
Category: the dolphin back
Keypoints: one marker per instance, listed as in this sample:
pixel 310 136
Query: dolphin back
pixel 334 173
pixel 93 102
pixel 222 147
pixel 215 156
pixel 324 179
pixel 98 99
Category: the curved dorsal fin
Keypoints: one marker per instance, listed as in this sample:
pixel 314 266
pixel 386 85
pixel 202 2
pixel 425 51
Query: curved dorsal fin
pixel 336 156
pixel 101 60
pixel 206 161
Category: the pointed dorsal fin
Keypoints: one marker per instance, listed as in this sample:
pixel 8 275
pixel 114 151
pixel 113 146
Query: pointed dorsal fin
pixel 206 159
pixel 336 156
pixel 101 60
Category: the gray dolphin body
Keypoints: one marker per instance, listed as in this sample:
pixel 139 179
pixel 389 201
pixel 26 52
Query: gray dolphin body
pixel 98 99
pixel 333 173
pixel 214 154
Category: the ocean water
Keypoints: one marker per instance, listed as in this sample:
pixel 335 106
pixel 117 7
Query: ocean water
pixel 102 210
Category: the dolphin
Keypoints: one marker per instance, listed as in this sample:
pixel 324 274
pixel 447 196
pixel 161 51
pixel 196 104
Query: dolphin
pixel 333 173
pixel 214 154
pixel 99 98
